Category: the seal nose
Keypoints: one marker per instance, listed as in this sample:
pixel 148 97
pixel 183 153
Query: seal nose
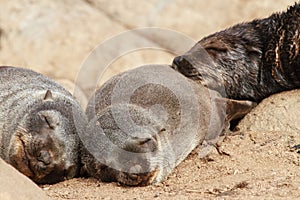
pixel 177 62
pixel 141 145
pixel 44 157
pixel 181 62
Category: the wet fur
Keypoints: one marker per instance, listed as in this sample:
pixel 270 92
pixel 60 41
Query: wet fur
pixel 250 60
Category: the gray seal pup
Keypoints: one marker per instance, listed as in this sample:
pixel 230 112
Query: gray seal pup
pixel 39 126
pixel 250 60
pixel 144 122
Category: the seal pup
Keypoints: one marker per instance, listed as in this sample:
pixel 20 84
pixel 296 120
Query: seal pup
pixel 144 122
pixel 39 126
pixel 250 60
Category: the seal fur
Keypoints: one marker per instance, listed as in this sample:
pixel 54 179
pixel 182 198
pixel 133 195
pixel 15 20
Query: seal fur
pixel 250 60
pixel 37 126
pixel 138 138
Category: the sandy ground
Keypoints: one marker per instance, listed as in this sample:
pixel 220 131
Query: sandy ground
pixel 54 38
pixel 258 166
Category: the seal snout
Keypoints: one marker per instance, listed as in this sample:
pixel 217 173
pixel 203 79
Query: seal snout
pixel 180 61
pixel 137 168
pixel 48 159
pixel 44 157
pixel 176 62
pixel 141 145
pixel 181 64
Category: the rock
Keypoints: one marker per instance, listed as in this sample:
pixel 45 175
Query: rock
pixel 279 112
pixel 192 17
pixel 14 185
pixel 47 36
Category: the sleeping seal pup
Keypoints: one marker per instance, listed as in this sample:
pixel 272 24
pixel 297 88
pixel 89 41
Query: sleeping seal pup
pixel 250 60
pixel 144 122
pixel 39 126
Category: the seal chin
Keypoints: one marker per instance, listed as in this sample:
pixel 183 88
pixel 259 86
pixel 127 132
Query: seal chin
pixel 44 174
pixel 48 170
pixel 109 174
pixel 57 174
pixel 135 179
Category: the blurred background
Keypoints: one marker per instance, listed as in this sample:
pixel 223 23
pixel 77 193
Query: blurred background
pixel 54 37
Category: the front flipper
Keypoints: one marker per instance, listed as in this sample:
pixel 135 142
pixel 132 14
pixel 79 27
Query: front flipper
pixel 223 111
pixel 236 108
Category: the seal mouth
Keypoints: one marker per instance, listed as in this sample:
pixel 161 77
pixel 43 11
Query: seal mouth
pixel 184 66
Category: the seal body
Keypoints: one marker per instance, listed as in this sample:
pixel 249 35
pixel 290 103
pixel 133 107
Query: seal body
pixel 250 60
pixel 144 122
pixel 38 135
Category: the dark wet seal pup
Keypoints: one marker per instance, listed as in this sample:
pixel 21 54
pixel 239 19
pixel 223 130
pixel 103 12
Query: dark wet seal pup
pixel 144 122
pixel 38 135
pixel 250 60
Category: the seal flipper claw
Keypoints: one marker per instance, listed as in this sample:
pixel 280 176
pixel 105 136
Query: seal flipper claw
pixel 296 148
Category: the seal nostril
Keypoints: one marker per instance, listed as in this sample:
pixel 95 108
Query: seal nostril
pixel 44 157
pixel 177 61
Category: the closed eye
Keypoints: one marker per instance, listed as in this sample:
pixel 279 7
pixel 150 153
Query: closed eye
pixel 163 129
pixel 48 122
pixel 144 141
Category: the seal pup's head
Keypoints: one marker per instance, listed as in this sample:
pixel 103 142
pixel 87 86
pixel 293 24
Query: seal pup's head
pixel 130 155
pixel 44 146
pixel 228 60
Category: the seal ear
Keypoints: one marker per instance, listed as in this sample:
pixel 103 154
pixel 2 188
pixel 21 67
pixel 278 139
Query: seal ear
pixel 235 108
pixel 48 96
pixel 224 111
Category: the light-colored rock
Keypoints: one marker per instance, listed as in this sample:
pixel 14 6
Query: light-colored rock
pixel 51 37
pixel 192 17
pixel 279 112
pixel 16 186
